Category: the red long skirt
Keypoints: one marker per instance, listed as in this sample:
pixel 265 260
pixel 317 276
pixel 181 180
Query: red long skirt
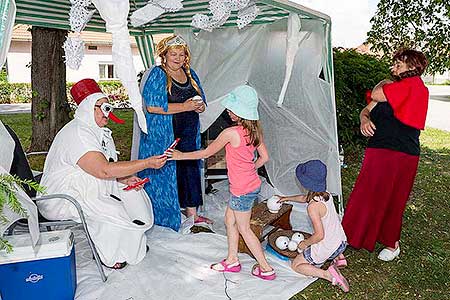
pixel 375 208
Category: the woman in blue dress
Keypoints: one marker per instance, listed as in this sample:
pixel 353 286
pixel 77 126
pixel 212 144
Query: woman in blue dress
pixel 173 112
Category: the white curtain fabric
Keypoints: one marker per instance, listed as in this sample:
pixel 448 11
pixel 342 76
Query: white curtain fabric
pixel 304 127
pixel 7 16
pixel 115 14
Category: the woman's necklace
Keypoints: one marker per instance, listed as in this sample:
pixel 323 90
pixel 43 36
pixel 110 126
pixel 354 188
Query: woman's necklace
pixel 178 75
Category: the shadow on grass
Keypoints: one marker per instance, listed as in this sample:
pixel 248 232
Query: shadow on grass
pixel 422 270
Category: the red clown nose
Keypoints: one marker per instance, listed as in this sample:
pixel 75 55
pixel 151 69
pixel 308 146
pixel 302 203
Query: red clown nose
pixel 87 87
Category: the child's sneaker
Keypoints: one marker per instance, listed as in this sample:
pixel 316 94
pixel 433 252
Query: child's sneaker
pixel 269 275
pixel 338 278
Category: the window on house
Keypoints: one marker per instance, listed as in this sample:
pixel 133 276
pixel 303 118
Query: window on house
pixel 90 47
pixel 107 71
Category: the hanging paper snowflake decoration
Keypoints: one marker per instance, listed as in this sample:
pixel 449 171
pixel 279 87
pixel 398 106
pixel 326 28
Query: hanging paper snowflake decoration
pixel 221 11
pixel 153 9
pixel 237 4
pixel 201 21
pixel 247 15
pixel 74 52
pixel 79 16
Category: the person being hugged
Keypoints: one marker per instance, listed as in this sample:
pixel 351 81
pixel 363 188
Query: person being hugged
pixel 328 242
pixel 392 122
pixel 240 142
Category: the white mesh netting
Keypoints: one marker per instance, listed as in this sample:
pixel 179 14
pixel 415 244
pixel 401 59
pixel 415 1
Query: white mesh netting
pixel 304 127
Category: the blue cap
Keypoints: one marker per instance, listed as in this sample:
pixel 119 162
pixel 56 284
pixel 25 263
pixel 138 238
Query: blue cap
pixel 312 175
pixel 243 102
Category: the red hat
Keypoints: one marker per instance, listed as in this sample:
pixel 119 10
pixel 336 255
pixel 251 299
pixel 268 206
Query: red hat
pixel 86 87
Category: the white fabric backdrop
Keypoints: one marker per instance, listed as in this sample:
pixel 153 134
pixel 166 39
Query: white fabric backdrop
pixel 304 128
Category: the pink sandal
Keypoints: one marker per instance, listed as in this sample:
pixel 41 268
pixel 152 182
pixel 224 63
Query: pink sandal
pixel 201 219
pixel 233 268
pixel 338 278
pixel 269 275
pixel 340 263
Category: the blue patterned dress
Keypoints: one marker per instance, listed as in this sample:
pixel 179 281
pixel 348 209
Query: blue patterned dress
pixel 162 188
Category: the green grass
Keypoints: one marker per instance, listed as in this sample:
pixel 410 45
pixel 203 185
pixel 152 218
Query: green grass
pixel 423 269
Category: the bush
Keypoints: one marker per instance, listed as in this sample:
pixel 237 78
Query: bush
pixel 15 92
pixel 21 92
pixel 354 74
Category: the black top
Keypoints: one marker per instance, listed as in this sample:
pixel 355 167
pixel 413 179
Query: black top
pixel 185 124
pixel 20 166
pixel 391 133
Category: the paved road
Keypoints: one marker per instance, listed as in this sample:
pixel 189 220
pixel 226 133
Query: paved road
pixel 15 108
pixel 438 109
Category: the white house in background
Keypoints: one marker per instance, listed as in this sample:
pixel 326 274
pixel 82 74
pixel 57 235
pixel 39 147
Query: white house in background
pixel 97 62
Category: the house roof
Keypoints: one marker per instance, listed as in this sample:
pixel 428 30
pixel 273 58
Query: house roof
pixel 54 13
pixel 21 32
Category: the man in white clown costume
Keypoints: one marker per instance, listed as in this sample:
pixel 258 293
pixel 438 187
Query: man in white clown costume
pixel 82 162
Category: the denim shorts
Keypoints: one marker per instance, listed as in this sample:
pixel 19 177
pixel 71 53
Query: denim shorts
pixel 307 254
pixel 243 202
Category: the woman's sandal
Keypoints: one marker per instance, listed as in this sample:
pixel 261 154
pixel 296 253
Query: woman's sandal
pixel 224 267
pixel 117 266
pixel 269 275
pixel 201 219
pixel 338 279
pixel 340 263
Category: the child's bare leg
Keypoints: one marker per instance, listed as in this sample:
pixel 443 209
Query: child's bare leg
pixel 232 236
pixel 250 239
pixel 341 256
pixel 302 266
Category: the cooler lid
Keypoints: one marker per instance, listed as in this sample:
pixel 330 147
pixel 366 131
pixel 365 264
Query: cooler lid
pixel 51 244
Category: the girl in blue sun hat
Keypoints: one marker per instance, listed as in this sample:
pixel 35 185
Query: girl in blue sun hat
pixel 240 142
pixel 328 241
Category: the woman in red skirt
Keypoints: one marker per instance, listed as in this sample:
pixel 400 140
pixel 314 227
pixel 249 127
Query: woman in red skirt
pixel 393 121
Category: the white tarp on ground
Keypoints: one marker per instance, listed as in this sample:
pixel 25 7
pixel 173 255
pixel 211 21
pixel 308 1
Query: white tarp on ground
pixel 177 267
pixel 304 127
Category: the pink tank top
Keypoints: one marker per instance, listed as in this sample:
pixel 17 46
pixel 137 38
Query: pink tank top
pixel 242 173
pixel 334 234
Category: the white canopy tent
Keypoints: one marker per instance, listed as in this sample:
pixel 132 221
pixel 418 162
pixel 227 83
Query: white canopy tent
pixel 303 127
pixel 285 54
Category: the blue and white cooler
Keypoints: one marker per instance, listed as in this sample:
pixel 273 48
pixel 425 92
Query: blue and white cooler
pixel 46 272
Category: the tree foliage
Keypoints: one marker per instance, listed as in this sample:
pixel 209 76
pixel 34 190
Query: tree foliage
pixel 420 24
pixel 9 185
pixel 354 74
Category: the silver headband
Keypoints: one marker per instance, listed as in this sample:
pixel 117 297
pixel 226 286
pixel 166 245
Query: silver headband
pixel 175 41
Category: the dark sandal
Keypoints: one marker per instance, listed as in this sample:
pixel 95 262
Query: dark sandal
pixel 117 266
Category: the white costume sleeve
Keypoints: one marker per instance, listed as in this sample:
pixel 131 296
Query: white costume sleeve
pixel 83 142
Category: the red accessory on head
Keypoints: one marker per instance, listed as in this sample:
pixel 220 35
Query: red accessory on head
pixel 368 96
pixel 87 87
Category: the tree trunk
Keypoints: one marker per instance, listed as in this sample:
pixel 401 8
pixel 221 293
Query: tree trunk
pixel 49 107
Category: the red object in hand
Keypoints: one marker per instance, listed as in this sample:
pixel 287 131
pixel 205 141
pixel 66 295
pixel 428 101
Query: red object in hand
pixel 368 96
pixel 135 185
pixel 174 144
